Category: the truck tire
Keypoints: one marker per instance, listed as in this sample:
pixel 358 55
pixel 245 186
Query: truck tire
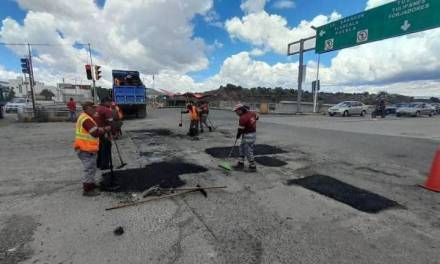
pixel 141 113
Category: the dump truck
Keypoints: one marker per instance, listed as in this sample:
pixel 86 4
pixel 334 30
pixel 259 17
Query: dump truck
pixel 129 93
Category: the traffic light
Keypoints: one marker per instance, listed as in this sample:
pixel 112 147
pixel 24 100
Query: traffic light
pixel 97 72
pixel 25 65
pixel 89 72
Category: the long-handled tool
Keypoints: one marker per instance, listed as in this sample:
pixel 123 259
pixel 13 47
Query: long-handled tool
pixel 190 190
pixel 158 191
pixel 120 157
pixel 224 164
pixel 180 124
pixel 212 125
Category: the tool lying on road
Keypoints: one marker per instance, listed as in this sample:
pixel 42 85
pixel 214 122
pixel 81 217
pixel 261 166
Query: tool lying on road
pixel 120 157
pixel 224 164
pixel 158 191
pixel 181 192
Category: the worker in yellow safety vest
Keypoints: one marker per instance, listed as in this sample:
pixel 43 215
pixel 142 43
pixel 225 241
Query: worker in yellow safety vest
pixel 87 145
pixel 191 109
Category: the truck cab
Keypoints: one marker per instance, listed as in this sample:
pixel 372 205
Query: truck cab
pixel 129 93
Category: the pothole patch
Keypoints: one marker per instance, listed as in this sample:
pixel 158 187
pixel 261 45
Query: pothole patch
pixel 260 149
pixel 164 174
pixel 355 197
pixel 270 161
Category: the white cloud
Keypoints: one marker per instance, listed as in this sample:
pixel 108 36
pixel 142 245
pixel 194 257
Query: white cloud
pixel 284 4
pixel 375 3
pixel 271 32
pixel 257 52
pixel 253 6
pixel 129 35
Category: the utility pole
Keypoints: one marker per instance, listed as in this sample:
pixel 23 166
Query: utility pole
pixel 95 95
pixel 301 51
pixel 31 80
pixel 316 92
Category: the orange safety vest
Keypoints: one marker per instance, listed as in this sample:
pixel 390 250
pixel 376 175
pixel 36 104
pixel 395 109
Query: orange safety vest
pixel 84 141
pixel 193 113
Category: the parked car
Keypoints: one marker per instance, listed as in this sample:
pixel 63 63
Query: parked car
pixel 15 104
pixel 437 107
pixel 416 109
pixel 348 108
pixel 392 109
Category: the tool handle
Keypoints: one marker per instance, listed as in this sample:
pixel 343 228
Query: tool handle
pixel 198 188
pixel 148 200
pixel 232 149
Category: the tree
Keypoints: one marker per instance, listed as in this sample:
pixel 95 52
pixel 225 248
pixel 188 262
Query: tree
pixel 11 94
pixel 47 94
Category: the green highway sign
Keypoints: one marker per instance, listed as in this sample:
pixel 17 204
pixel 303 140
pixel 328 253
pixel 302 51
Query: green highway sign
pixel 390 20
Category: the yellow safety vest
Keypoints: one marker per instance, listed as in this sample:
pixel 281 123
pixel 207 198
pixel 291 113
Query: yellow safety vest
pixel 84 141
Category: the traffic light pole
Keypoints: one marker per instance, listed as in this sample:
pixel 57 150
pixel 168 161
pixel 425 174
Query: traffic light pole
pixel 31 79
pixel 95 96
pixel 316 91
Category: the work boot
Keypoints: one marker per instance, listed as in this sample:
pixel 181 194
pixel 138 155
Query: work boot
pixel 91 193
pixel 252 167
pixel 239 166
pixel 201 130
pixel 210 129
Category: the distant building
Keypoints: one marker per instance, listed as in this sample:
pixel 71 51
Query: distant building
pixel 22 88
pixel 80 93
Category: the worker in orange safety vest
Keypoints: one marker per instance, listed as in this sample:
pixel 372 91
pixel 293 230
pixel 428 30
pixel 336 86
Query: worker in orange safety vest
pixel 191 109
pixel 86 145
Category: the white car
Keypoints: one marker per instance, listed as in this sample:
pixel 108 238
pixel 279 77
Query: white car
pixel 15 104
pixel 348 108
pixel 416 109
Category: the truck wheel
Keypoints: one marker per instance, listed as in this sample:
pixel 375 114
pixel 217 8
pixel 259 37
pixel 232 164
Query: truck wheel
pixel 141 113
pixel 345 113
pixel 363 113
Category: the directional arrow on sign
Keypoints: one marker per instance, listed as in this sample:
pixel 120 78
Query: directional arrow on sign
pixel 405 26
pixel 321 33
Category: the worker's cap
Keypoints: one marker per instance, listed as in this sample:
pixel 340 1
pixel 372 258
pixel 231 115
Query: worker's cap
pixel 87 104
pixel 238 107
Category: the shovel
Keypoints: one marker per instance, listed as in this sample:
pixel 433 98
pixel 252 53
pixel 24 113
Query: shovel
pixel 180 124
pixel 120 157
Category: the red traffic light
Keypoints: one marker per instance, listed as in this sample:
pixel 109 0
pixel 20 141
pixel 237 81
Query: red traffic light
pixel 89 72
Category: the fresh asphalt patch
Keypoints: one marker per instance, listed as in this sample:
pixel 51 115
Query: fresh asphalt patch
pixel 164 174
pixel 357 198
pixel 270 161
pixel 260 149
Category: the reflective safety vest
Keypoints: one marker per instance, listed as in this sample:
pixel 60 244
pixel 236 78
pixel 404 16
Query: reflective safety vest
pixel 194 115
pixel 84 141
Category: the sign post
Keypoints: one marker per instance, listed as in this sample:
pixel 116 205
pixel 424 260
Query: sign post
pixel 390 20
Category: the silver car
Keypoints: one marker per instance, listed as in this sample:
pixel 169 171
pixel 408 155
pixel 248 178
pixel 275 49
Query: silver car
pixel 416 109
pixel 348 108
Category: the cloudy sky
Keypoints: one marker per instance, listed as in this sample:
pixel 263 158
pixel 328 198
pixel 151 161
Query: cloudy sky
pixel 198 45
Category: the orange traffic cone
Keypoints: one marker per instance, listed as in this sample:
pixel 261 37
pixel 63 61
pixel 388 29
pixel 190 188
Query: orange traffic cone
pixel 433 181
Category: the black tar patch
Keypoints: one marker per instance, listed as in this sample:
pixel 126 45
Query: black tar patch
pixel 357 198
pixel 261 149
pixel 164 174
pixel 270 161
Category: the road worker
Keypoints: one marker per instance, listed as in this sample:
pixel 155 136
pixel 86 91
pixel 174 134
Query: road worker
pixel 247 131
pixel 117 120
pixel 191 109
pixel 204 112
pixel 104 117
pixel 87 144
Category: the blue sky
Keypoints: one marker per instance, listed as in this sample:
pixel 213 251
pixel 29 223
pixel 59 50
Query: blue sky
pixel 194 45
pixel 226 9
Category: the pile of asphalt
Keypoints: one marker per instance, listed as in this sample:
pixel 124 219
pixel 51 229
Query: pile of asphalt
pixel 357 198
pixel 270 161
pixel 260 149
pixel 164 174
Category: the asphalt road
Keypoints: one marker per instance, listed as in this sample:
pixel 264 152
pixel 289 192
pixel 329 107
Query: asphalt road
pixel 257 219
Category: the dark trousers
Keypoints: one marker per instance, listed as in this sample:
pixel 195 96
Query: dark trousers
pixel 104 159
pixel 193 128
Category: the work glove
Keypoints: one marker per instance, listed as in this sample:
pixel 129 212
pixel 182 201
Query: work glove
pixel 238 134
